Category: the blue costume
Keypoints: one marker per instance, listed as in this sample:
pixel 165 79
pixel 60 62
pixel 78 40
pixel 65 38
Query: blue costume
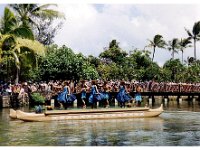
pixel 83 94
pixel 94 96
pixel 65 98
pixel 122 96
pixel 38 109
pixel 138 97
pixel 105 95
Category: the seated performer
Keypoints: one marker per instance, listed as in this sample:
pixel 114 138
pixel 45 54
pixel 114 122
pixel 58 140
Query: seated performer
pixel 138 97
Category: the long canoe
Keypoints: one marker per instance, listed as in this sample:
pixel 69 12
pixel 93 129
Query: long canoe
pixel 86 114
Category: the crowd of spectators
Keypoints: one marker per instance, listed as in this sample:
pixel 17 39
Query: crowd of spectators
pixel 52 88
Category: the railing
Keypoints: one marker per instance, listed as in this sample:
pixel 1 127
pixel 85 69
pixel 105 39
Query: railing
pixel 169 87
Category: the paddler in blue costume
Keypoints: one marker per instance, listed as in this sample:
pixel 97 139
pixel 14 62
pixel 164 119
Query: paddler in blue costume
pixel 66 96
pixel 138 97
pixel 95 96
pixel 123 96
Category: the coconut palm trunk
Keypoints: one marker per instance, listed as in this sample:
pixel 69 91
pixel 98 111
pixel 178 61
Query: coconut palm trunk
pixel 195 56
pixel 184 43
pixel 154 49
pixel 17 76
pixel 182 56
pixel 156 42
pixel 173 54
pixel 194 34
pixel 17 63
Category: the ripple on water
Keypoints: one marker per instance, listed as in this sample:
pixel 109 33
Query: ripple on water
pixel 170 129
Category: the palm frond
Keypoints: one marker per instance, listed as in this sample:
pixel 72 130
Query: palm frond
pixel 23 32
pixel 28 56
pixel 151 43
pixel 17 62
pixel 196 28
pixel 33 45
pixel 8 21
pixel 173 46
pixel 48 13
pixel 189 33
pixel 16 8
pixel 157 38
pixel 43 7
pixel 185 42
pixel 6 38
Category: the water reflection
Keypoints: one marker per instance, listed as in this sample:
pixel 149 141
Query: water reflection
pixel 177 126
pixel 107 132
pixel 183 106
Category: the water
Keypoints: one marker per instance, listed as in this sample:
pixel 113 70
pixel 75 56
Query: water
pixel 179 125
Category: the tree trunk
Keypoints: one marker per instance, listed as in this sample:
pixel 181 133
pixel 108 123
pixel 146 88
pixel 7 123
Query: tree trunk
pixel 17 76
pixel 36 61
pixel 172 54
pixel 182 56
pixel 154 49
pixel 195 56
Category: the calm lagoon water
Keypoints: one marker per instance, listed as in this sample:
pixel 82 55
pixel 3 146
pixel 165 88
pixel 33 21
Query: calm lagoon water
pixel 179 125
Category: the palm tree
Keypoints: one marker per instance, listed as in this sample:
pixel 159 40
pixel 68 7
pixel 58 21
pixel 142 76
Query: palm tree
pixel 194 35
pixel 184 43
pixel 156 42
pixel 15 38
pixel 30 14
pixel 173 46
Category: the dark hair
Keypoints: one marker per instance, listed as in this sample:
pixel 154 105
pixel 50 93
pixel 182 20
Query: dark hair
pixel 82 81
pixel 105 82
pixel 94 82
pixel 66 83
pixel 122 83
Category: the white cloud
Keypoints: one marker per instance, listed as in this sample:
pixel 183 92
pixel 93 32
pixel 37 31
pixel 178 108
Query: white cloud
pixel 89 28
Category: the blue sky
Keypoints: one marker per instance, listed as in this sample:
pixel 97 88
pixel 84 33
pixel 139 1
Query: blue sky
pixel 89 28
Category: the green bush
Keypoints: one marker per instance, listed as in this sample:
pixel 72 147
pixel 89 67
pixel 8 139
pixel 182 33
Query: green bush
pixel 37 98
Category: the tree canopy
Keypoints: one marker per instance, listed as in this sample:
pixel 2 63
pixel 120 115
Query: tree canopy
pixel 26 31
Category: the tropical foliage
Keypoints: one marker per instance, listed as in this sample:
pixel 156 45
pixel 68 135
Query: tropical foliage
pixel 40 19
pixel 63 63
pixel 194 35
pixel 156 42
pixel 17 41
pixel 23 56
pixel 173 46
pixel 37 98
pixel 184 43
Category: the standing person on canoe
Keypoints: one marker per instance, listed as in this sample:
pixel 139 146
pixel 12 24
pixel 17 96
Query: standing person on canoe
pixel 123 96
pixel 66 96
pixel 95 96
pixel 83 93
pixel 106 90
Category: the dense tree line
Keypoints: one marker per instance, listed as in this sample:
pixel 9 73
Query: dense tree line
pixel 27 52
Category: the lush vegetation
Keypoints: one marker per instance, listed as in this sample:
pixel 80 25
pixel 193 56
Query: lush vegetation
pixel 28 52
pixel 37 98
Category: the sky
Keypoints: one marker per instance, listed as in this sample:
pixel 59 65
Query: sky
pixel 90 27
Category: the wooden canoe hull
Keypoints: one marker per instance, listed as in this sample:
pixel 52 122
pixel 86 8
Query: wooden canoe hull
pixel 13 114
pixel 88 115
